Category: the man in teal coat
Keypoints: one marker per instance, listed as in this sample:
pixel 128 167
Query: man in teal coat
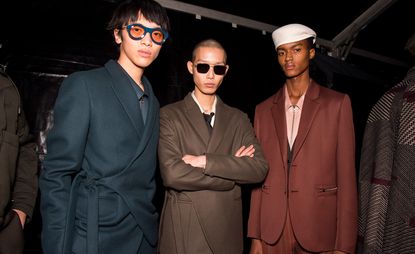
pixel 98 184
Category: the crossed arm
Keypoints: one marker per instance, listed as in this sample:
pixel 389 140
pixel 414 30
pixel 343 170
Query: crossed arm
pixel 200 161
pixel 208 171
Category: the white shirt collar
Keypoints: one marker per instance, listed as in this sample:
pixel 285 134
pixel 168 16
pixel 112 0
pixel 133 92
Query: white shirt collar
pixel 213 109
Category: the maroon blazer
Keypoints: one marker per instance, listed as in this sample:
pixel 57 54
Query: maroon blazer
pixel 320 189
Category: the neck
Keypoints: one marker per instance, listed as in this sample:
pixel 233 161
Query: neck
pixel 296 88
pixel 298 84
pixel 205 100
pixel 133 71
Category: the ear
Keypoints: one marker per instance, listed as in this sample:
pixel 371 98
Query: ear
pixel 312 53
pixel 117 36
pixel 227 69
pixel 190 67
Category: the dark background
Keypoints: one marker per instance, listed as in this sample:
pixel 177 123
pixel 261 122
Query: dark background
pixel 44 41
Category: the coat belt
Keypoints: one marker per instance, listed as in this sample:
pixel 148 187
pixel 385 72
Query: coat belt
pixel 92 219
pixel 176 221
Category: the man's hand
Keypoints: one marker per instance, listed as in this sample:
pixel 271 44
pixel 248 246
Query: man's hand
pixel 245 151
pixel 22 216
pixel 195 161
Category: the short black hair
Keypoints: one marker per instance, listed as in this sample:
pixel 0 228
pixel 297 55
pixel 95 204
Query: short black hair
pixel 130 10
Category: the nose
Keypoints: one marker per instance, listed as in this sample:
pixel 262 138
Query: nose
pixel 210 74
pixel 147 40
pixel 289 56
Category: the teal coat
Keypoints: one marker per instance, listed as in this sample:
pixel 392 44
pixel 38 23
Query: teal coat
pixel 98 184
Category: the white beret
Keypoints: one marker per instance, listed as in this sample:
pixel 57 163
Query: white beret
pixel 292 33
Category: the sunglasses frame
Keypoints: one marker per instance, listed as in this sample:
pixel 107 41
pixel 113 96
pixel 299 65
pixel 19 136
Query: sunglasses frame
pixel 215 69
pixel 146 30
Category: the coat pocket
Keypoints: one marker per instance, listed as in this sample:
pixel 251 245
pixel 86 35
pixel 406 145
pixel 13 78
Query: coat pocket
pixel 11 234
pixel 266 188
pixel 323 190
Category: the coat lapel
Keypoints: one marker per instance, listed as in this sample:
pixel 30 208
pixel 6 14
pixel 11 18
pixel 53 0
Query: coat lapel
pixel 310 108
pixel 125 94
pixel 152 114
pixel 220 126
pixel 128 100
pixel 278 115
pixel 195 118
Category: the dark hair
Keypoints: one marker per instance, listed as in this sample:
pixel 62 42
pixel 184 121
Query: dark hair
pixel 130 10
pixel 210 43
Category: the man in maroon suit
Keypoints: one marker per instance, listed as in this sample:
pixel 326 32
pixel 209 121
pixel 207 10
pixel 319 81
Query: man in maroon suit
pixel 308 201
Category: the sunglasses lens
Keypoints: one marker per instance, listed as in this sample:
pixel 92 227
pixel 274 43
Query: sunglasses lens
pixel 219 69
pixel 157 36
pixel 202 68
pixel 136 32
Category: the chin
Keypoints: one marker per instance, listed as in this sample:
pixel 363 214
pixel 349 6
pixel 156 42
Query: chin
pixel 144 62
pixel 212 90
pixel 209 92
pixel 142 66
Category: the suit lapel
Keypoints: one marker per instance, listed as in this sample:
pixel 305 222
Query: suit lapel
pixel 152 114
pixel 220 126
pixel 310 108
pixel 125 94
pixel 278 115
pixel 195 118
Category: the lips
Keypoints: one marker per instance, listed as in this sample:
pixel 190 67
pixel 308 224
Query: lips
pixel 209 85
pixel 289 66
pixel 144 53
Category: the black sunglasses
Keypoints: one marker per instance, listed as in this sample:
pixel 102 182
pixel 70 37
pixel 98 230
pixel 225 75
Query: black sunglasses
pixel 138 31
pixel 204 68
